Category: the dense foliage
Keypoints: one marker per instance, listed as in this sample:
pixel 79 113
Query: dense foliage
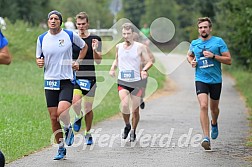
pixel 231 19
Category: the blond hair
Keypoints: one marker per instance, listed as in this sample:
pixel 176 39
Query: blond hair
pixel 82 15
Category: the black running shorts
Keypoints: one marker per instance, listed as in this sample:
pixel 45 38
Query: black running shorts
pixel 91 92
pixel 213 89
pixel 53 97
pixel 135 88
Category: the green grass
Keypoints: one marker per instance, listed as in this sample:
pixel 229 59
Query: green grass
pixel 243 84
pixel 243 79
pixel 24 123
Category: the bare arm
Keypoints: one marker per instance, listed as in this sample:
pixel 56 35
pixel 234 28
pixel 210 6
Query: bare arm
pixel 147 58
pixel 150 54
pixel 82 55
pixel 225 57
pixel 96 53
pixel 191 59
pixel 114 65
pixel 5 56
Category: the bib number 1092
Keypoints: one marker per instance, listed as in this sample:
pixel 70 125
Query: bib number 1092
pixel 52 84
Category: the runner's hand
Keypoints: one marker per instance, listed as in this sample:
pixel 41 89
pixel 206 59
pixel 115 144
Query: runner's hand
pixel 144 74
pixel 194 63
pixel 208 54
pixel 112 73
pixel 75 66
pixel 40 62
pixel 95 44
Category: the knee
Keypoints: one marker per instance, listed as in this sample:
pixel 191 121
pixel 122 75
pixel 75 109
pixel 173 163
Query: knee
pixel 124 105
pixel 88 110
pixel 203 107
pixel 135 112
pixel 215 110
pixel 76 105
pixel 88 107
pixel 54 117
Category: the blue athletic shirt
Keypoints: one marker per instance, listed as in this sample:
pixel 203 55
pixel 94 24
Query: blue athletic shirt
pixel 208 70
pixel 3 41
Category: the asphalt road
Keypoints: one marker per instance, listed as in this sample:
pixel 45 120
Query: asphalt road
pixel 169 132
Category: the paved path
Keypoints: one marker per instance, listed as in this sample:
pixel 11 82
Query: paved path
pixel 169 133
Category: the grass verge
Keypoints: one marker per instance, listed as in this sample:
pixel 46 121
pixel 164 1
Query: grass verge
pixel 243 79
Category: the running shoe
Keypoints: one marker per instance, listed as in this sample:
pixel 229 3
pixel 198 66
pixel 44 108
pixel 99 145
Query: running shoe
pixel 77 124
pixel 61 154
pixel 69 136
pixel 132 137
pixel 206 143
pixel 142 105
pixel 126 131
pixel 214 131
pixel 89 139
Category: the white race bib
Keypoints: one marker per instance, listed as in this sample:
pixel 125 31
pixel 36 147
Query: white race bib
pixel 127 74
pixel 205 62
pixel 52 84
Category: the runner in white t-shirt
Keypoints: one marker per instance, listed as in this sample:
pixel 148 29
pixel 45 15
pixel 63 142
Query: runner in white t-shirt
pixel 54 53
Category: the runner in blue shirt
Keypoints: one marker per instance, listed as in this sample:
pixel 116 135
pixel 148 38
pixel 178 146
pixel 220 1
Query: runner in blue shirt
pixel 206 55
pixel 5 56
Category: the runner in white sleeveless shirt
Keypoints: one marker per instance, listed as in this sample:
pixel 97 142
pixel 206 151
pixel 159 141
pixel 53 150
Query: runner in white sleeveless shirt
pixel 128 59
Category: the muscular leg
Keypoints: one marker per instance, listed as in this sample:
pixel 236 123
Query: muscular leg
pixel 77 99
pixel 124 97
pixel 88 114
pixel 135 111
pixel 214 106
pixel 56 127
pixel 204 119
pixel 63 112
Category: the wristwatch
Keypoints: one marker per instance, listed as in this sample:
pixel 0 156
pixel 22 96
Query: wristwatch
pixel 213 57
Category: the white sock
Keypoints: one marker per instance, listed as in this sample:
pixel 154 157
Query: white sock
pixel 61 144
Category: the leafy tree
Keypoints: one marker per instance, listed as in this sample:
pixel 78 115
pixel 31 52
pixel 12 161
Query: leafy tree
pixel 234 23
pixel 7 7
pixel 206 8
pixel 28 10
pixel 133 10
pixel 162 8
pixel 187 18
pixel 97 10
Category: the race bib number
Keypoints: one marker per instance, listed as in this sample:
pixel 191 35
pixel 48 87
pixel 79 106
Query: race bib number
pixel 204 62
pixel 84 84
pixel 52 84
pixel 127 74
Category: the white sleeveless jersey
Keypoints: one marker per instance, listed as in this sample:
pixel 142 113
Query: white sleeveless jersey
pixel 57 51
pixel 129 62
